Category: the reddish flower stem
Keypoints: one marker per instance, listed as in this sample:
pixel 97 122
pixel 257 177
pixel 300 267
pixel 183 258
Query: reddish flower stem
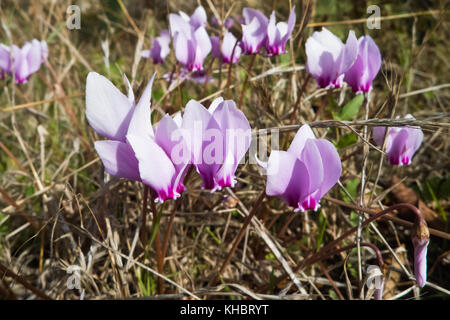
pixel 250 66
pixel 327 249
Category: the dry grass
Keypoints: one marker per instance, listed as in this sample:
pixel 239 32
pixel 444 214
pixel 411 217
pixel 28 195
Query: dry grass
pixel 59 209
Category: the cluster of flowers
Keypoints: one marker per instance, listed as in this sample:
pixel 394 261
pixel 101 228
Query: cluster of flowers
pixel 192 44
pixel 22 62
pixel 357 62
pixel 215 140
pixel 331 62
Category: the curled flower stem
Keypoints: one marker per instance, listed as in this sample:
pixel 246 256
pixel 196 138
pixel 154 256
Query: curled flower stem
pixel 405 223
pixel 250 66
pixel 239 237
pixel 349 247
pixel 327 249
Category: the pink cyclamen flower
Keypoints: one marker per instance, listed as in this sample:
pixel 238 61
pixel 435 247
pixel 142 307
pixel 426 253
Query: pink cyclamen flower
pixel 278 34
pixel 133 151
pixel 160 48
pixel 366 66
pixel 191 41
pixel 219 137
pixel 304 173
pixel 226 50
pixel 420 240
pixel 401 142
pixel 228 22
pixel 328 58
pixel 254 30
pixel 420 260
pixel 22 62
pixel 198 18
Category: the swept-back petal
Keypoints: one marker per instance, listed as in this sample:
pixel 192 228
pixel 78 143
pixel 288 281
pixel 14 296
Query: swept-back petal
pixel 118 159
pixel 184 50
pixel 214 104
pixel 5 63
pixel 198 18
pixel 287 177
pixel 34 56
pixel 155 167
pixel 178 24
pixel 108 111
pixel 398 147
pixel 312 159
pixel 348 55
pixel 167 138
pixel 297 145
pixel 140 124
pixel 195 120
pixel 290 26
pixel 215 45
pixel 229 42
pixel 236 132
pixel 332 166
pixel 204 44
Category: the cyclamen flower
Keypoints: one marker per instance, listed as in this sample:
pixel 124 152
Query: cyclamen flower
pixel 420 240
pixel 27 60
pixel 191 41
pixel 160 48
pixel 254 30
pixel 304 173
pixel 401 142
pixel 278 34
pixel 366 66
pixel 134 150
pixel 198 18
pixel 226 50
pixel 227 24
pixel 219 138
pixel 328 58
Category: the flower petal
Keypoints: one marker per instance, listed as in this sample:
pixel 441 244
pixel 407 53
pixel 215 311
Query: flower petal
pixel 155 167
pixel 303 134
pixel 198 18
pixel 348 55
pixel 287 177
pixel 108 111
pixel 118 159
pixel 332 166
pixel 140 124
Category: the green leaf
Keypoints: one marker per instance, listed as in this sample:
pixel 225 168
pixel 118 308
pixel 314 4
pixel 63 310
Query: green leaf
pixel 351 186
pixel 322 225
pixel 346 140
pixel 350 110
pixel 208 230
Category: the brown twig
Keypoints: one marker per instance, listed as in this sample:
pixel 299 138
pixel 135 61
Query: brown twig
pixel 250 66
pixel 24 282
pixel 239 237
